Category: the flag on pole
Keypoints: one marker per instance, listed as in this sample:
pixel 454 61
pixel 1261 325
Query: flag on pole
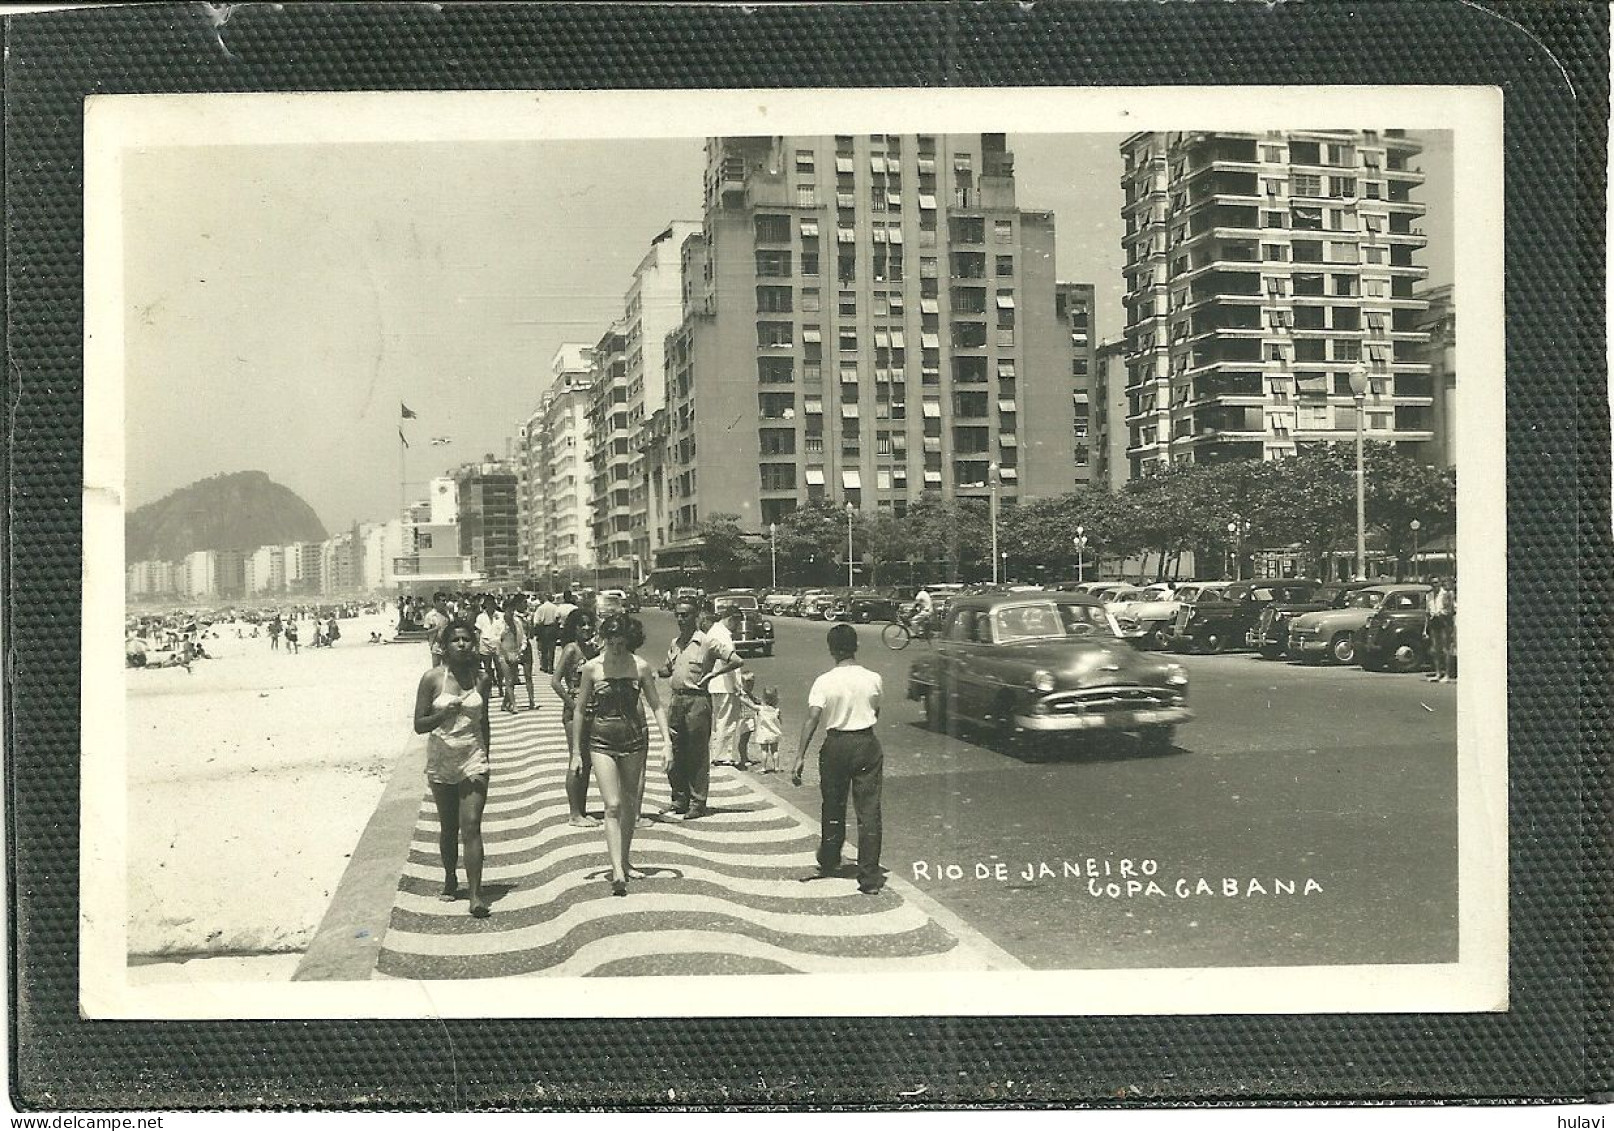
pixel 401 438
pixel 408 414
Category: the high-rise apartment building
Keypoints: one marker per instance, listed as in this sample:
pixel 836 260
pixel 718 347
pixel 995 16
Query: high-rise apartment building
pixel 487 519
pixel 1073 306
pixel 1108 413
pixel 1263 270
pixel 552 475
pixel 610 457
pixel 653 309
pixel 866 319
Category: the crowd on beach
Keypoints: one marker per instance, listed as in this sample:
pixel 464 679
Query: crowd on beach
pixel 710 713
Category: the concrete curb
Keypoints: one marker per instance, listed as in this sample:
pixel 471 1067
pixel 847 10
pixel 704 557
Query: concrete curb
pixel 348 942
pixel 996 957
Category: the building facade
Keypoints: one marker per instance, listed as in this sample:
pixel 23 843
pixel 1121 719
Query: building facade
pixel 866 319
pixel 1263 270
pixel 1108 414
pixel 1074 307
pixel 489 526
pixel 552 482
pixel 610 458
pixel 1440 323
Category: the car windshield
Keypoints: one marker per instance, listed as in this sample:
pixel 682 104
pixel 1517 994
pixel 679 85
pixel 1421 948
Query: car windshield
pixel 1364 599
pixel 1044 620
pixel 738 602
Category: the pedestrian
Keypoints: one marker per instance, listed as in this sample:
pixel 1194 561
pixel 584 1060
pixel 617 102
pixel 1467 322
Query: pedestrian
pixel 724 687
pixel 547 623
pixel 291 636
pixel 768 730
pixel 1441 629
pixel 747 726
pixel 512 643
pixel 436 620
pixel 691 661
pixel 613 691
pixel 275 629
pixel 451 709
pixel 489 626
pixel 579 648
pixel 846 701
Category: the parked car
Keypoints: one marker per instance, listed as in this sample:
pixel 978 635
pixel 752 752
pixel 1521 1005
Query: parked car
pixel 1045 664
pixel 610 601
pixel 861 608
pixel 780 602
pixel 1271 636
pixel 1226 620
pixel 1333 634
pixel 1149 624
pixel 1393 637
pixel 755 634
pixel 815 604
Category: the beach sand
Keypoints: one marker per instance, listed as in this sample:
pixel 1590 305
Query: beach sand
pixel 250 781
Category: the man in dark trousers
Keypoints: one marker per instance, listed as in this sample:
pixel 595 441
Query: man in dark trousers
pixel 692 660
pixel 846 701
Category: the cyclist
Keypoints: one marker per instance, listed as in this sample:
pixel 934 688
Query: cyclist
pixel 919 619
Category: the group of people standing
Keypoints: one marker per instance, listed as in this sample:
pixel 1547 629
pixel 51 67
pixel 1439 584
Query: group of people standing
pixel 611 700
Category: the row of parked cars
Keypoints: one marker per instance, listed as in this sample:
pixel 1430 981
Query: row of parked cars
pixel 1376 624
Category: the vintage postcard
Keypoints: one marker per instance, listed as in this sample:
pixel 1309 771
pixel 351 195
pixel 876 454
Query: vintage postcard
pixel 793 553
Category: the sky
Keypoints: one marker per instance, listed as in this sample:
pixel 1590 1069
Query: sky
pixel 281 301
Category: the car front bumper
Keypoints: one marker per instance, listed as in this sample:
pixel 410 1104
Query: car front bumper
pixel 1105 720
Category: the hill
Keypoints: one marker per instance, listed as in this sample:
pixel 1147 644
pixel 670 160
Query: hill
pixel 239 511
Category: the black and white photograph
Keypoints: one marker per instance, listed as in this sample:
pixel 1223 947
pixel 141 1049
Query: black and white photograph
pixel 794 553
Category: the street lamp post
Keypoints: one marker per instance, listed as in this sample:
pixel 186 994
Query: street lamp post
pixel 773 553
pixel 850 512
pixel 1416 526
pixel 1080 542
pixel 992 482
pixel 1233 544
pixel 1359 391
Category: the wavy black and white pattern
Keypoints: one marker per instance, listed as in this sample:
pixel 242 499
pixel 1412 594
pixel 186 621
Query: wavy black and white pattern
pixel 723 894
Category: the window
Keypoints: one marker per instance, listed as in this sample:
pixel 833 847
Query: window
pixel 1373 254
pixel 1271 153
pixel 1308 284
pixel 968 229
pixel 1274 219
pixel 1003 231
pixel 773 264
pixel 809 263
pixel 1306 184
pixel 1347 318
pixel 1005 266
pixel 777 441
pixel 775 370
pixel 1345 286
pixel 804 161
pixel 848 339
pixel 1308 251
pixel 1274 253
pixel 846 268
pixel 776 406
pixel 1347 349
pixel 775 300
pixel 773 229
pixel 1342 186
pixel 775 335
pixel 1276 287
pixel 809 299
pixel 806 196
pixel 1308 318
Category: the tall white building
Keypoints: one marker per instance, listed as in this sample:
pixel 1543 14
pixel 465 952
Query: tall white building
pixel 553 481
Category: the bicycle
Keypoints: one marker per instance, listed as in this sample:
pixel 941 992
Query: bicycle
pixel 897 635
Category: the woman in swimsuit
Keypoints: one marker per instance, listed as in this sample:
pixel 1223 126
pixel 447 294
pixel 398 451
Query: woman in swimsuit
pixel 451 709
pixel 611 697
pixel 580 646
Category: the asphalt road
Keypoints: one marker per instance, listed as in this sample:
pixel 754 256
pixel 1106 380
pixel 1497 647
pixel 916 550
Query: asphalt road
pixel 1326 798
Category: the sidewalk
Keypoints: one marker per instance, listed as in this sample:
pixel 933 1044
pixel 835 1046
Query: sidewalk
pixel 723 894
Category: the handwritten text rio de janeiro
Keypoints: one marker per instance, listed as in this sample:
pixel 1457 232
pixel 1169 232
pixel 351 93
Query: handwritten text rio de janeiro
pixel 1124 878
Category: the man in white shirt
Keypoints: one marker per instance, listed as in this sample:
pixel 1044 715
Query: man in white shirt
pixel 724 687
pixel 922 608
pixel 546 620
pixel 846 701
pixel 436 620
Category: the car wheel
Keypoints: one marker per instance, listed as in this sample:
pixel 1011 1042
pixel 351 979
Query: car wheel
pixel 1371 662
pixel 1160 639
pixel 1270 653
pixel 1343 648
pixel 1214 643
pixel 863 617
pixel 1405 658
pixel 1157 740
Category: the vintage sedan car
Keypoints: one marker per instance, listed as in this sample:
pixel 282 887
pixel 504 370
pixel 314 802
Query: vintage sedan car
pixel 780 602
pixel 755 634
pixel 1393 637
pixel 863 608
pixel 610 601
pixel 1331 634
pixel 1225 620
pixel 1148 624
pixel 815 604
pixel 1045 664
pixel 1271 633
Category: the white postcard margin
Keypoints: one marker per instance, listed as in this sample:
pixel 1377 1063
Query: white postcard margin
pixel 1476 982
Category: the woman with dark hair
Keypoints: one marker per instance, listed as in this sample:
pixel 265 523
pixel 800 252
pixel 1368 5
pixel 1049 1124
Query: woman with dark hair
pixel 612 694
pixel 579 646
pixel 451 709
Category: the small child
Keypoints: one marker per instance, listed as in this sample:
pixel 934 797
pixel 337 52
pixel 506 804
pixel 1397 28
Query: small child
pixel 748 719
pixel 768 730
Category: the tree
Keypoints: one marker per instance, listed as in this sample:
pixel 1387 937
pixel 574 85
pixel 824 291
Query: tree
pixel 881 541
pixel 949 539
pixel 811 540
pixel 726 556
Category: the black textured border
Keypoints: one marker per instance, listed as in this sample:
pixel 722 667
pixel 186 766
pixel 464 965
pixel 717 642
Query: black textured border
pixel 1549 57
